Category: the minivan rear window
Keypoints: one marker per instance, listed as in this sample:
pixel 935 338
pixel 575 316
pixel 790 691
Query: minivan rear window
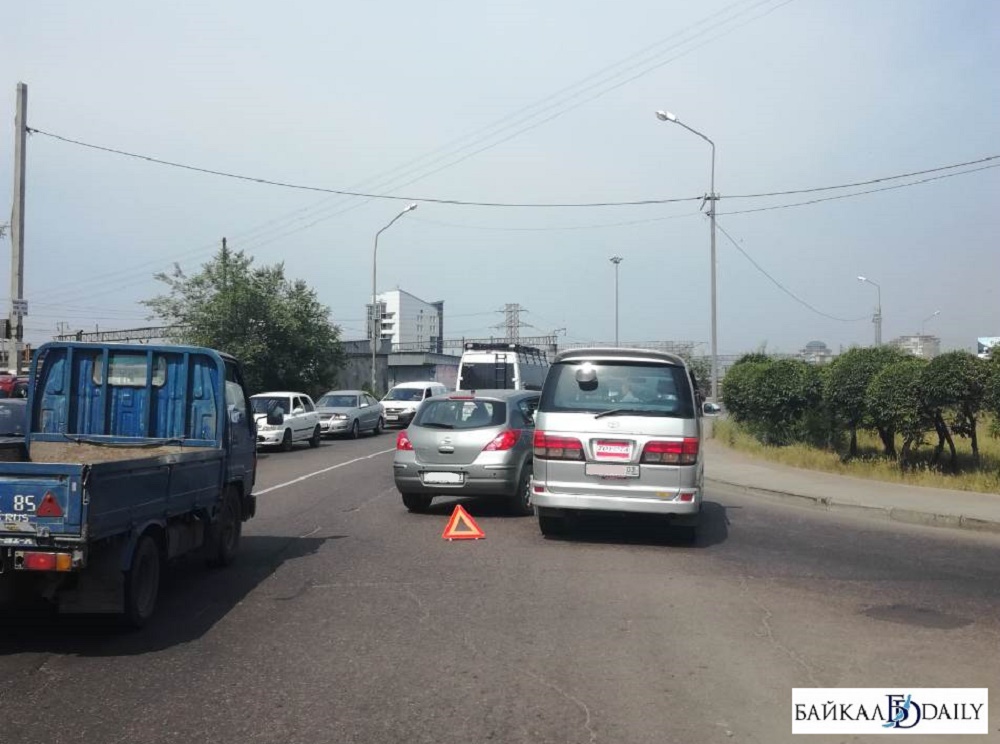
pixel 640 388
pixel 461 414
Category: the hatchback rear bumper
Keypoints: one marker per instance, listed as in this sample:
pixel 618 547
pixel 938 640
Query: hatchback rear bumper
pixel 494 480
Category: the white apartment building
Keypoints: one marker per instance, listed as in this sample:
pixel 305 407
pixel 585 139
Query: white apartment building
pixel 407 321
pixel 925 347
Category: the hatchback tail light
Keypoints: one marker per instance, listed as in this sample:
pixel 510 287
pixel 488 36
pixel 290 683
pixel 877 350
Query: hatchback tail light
pixel 676 452
pixel 403 442
pixel 504 441
pixel 550 447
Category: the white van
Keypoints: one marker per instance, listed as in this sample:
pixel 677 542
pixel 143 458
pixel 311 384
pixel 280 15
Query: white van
pixel 501 366
pixel 402 401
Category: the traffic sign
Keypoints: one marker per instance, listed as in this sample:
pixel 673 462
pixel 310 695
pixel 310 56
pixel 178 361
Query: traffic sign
pixel 462 526
pixel 20 307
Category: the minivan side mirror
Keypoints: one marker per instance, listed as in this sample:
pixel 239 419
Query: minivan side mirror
pixel 711 409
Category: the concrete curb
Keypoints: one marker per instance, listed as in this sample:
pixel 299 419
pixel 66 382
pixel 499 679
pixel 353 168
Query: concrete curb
pixel 887 513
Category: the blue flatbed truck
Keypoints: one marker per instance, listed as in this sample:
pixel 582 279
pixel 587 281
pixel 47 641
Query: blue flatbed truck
pixel 134 455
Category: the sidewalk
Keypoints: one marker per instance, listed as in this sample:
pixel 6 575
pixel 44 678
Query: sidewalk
pixel 937 507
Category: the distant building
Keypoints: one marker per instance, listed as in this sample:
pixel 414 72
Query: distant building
pixel 925 347
pixel 986 345
pixel 816 352
pixel 407 322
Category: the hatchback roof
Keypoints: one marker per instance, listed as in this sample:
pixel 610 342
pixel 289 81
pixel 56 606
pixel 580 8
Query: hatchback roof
pixel 417 384
pixel 344 392
pixel 275 392
pixel 614 354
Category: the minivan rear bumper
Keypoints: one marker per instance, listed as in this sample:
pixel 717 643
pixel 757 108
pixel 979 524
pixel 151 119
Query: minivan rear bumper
pixel 668 503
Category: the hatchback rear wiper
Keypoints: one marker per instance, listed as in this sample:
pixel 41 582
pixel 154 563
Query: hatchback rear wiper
pixel 433 425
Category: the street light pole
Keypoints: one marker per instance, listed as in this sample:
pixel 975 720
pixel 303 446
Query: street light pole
pixel 616 260
pixel 374 325
pixel 712 198
pixel 877 318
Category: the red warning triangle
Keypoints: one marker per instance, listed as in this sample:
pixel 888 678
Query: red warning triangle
pixel 462 526
pixel 49 506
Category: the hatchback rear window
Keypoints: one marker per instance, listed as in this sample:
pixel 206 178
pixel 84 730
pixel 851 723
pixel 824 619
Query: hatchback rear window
pixel 461 414
pixel 596 387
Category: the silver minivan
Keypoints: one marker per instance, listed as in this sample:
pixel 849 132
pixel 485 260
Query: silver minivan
pixel 618 430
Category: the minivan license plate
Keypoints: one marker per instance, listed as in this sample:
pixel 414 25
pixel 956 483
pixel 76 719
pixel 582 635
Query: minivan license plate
pixel 611 471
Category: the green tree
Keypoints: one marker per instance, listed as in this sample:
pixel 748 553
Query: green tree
pixel 846 392
pixel 991 396
pixel 955 384
pixel 702 369
pixel 276 327
pixel 896 403
pixel 779 401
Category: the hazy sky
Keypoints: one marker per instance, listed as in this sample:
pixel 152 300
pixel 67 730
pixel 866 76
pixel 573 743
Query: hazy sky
pixel 398 97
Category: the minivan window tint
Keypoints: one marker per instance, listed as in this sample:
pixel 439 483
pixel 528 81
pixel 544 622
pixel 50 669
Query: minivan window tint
pixel 461 414
pixel 487 376
pixel 597 387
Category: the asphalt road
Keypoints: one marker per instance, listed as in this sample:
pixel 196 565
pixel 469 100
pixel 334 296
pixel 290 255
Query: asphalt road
pixel 347 619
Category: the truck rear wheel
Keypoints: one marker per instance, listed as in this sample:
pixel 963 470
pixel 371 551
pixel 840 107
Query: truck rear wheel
pixel 142 583
pixel 225 532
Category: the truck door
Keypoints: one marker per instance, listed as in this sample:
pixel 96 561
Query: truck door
pixel 242 438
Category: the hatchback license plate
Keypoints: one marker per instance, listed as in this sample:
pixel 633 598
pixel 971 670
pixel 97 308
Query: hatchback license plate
pixel 451 478
pixel 391 417
pixel 611 471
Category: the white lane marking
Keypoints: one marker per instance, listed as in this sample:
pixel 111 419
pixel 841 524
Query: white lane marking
pixel 307 476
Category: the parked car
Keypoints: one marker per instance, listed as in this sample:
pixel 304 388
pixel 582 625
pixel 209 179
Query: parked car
pixel 13 424
pixel 402 401
pixel 284 418
pixel 468 444
pixel 350 412
pixel 618 430
pixel 13 386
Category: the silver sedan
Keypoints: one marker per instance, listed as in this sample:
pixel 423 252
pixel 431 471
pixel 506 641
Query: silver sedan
pixel 349 412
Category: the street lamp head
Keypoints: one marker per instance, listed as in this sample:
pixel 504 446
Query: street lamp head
pixel 862 279
pixel 411 207
pixel 616 260
pixel 665 116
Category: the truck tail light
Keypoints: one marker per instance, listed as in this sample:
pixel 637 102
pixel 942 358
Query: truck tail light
pixel 503 441
pixel 403 442
pixel 675 452
pixel 551 447
pixel 44 561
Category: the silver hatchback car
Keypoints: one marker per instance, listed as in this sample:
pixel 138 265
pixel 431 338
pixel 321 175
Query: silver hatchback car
pixel 618 430
pixel 469 443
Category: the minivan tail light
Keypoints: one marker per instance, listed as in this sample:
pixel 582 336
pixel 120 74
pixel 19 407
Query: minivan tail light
pixel 551 447
pixel 673 452
pixel 403 442
pixel 504 441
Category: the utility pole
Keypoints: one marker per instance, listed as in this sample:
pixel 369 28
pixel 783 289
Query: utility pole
pixel 17 225
pixel 616 260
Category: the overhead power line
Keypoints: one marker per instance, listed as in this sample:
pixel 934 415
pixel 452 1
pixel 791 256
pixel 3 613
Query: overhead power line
pixel 529 205
pixel 862 193
pixel 781 286
pixel 343 192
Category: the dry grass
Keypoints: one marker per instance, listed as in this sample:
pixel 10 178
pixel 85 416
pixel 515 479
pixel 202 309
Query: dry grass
pixel 872 464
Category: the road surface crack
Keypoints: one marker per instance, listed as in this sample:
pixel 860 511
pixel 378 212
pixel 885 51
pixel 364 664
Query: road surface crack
pixel 768 633
pixel 588 718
